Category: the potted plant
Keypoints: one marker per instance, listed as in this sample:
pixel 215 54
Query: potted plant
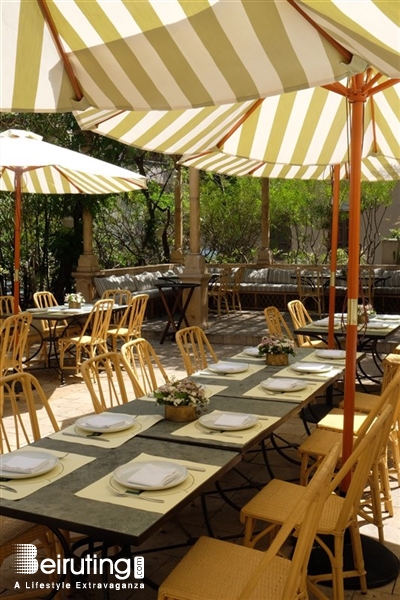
pixel 365 312
pixel 276 349
pixel 74 300
pixel 183 399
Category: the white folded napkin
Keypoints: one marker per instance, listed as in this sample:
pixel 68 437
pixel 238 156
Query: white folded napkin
pixel 331 353
pixel 322 322
pixel 24 464
pixel 153 475
pixel 230 420
pixel 103 421
pixel 281 384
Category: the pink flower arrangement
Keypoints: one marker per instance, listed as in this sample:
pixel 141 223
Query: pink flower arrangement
pixel 276 345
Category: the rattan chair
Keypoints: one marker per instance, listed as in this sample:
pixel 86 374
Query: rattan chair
pixel 300 318
pixel 120 297
pixel 275 502
pixel 13 341
pixel 234 289
pixel 220 291
pixel 92 339
pixel 6 306
pixel 316 445
pixel 52 329
pixel 214 569
pixel 276 324
pixel 195 348
pixel 141 359
pixel 23 396
pixel 108 382
pixel 364 403
pixel 310 287
pixel 130 324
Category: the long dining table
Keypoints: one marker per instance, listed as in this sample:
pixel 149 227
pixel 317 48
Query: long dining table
pixel 80 494
pixel 377 329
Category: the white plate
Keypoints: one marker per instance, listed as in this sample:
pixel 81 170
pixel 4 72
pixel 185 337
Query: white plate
pixel 209 421
pixel 51 462
pixel 252 351
pixel 123 473
pixel 377 325
pixel 310 367
pixel 228 367
pixel 331 354
pixel 389 317
pixel 282 384
pixel 111 422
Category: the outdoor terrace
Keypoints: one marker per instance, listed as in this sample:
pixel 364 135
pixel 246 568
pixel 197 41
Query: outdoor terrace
pixel 227 333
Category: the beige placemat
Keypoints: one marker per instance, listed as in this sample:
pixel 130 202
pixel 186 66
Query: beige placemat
pixel 196 430
pixel 232 376
pixel 289 372
pixel 170 497
pixel 300 396
pixel 24 487
pixel 330 361
pixel 76 435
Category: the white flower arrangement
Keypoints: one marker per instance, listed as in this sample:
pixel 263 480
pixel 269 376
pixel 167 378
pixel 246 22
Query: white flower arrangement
pixel 276 345
pixel 74 297
pixel 181 393
pixel 366 309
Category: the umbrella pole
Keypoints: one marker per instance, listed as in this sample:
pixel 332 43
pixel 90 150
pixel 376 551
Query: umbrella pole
pixel 17 236
pixel 357 98
pixel 333 262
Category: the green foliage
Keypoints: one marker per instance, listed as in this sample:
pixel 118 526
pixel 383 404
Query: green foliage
pixel 230 217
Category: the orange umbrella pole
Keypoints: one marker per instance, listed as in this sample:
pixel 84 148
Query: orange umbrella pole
pixel 357 99
pixel 17 236
pixel 334 245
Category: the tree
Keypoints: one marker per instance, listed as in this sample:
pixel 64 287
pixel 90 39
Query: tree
pixel 302 209
pixel 230 217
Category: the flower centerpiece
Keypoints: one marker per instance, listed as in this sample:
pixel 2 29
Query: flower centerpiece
pixel 276 349
pixel 74 300
pixel 182 399
pixel 365 312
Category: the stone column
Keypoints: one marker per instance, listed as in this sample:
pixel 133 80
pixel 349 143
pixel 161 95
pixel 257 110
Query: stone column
pixel 264 256
pixel 88 263
pixel 197 312
pixel 176 254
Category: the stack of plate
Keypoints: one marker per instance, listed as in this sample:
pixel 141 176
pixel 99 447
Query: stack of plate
pixel 228 367
pixel 150 475
pixel 25 464
pixel 105 422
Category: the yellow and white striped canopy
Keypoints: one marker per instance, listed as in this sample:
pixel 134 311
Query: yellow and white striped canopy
pixel 308 127
pixel 50 169
pixel 177 54
pixel 372 168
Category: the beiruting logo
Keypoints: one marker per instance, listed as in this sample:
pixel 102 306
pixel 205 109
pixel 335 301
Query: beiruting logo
pixel 26 563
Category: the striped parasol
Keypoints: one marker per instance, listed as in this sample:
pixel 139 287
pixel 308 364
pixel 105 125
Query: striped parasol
pixel 177 54
pixel 29 165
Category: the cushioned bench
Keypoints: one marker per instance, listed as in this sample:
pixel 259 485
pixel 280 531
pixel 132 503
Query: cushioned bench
pixel 142 283
pixel 277 286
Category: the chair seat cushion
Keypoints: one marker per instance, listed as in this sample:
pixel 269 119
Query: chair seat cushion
pixel 216 570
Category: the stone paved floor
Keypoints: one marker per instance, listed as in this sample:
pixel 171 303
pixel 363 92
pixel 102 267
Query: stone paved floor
pixel 72 400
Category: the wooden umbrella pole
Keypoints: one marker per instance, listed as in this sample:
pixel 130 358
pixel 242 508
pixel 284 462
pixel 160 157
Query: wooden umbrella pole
pixel 17 235
pixel 357 99
pixel 333 261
